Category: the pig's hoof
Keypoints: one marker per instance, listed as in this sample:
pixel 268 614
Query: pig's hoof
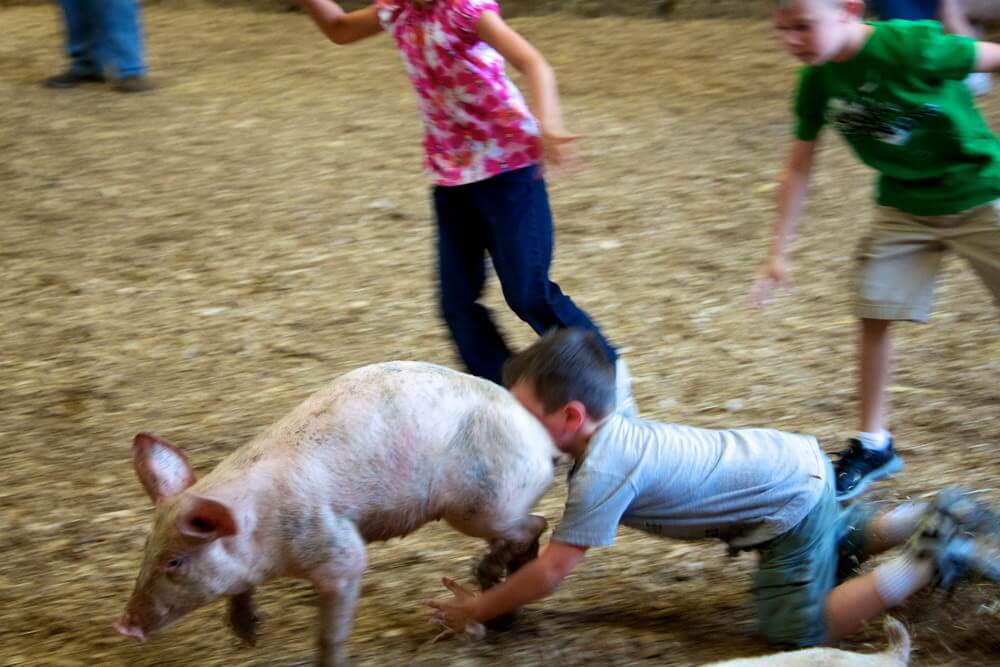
pixel 245 627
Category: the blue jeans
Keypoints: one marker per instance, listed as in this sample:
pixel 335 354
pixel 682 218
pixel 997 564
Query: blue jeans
pixel 908 10
pixel 104 37
pixel 507 216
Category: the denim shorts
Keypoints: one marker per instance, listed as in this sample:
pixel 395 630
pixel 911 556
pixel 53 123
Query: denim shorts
pixel 797 570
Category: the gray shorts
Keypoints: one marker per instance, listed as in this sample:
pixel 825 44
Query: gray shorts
pixel 900 257
pixel 797 570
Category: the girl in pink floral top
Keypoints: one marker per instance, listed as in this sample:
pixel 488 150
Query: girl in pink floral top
pixel 483 148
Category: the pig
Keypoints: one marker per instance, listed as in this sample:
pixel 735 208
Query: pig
pixel 896 655
pixel 376 454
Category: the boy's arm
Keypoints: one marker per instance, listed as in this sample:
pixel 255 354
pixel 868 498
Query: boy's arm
pixel 544 95
pixel 987 57
pixel 339 26
pixel 536 580
pixel 791 197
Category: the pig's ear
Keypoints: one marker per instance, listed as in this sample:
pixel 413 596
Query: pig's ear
pixel 162 468
pixel 204 520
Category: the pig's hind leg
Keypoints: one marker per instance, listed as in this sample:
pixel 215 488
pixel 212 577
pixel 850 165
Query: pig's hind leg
pixel 512 542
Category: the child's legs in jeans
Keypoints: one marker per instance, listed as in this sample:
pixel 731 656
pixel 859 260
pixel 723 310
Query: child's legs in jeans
pixel 909 10
pixel 462 243
pixel 119 31
pixel 80 36
pixel 516 207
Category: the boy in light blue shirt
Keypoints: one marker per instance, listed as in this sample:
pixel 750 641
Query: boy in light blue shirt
pixel 756 489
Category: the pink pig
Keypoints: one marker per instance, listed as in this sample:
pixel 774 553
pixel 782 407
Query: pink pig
pixel 376 454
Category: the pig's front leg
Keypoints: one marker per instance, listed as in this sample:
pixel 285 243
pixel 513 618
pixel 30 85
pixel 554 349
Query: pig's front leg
pixel 243 617
pixel 338 582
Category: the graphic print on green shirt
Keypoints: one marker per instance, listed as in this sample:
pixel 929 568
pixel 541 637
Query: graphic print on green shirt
pixel 901 105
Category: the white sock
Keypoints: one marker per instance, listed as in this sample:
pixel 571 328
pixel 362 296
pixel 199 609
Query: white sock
pixel 877 441
pixel 902 577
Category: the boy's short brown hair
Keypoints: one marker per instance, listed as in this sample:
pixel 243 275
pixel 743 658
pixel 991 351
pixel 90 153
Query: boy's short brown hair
pixel 566 365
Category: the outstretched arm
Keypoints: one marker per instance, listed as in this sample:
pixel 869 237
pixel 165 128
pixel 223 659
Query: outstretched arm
pixel 987 57
pixel 339 26
pixel 536 580
pixel 791 198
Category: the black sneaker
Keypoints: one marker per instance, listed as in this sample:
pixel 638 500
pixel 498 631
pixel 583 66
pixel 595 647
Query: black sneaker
pixel 132 84
pixel 72 78
pixel 858 467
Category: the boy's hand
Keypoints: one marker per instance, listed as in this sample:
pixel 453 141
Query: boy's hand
pixel 774 276
pixel 559 149
pixel 456 614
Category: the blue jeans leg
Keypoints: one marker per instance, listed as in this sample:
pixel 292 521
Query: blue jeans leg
pixel 516 207
pixel 462 242
pixel 120 39
pixel 81 45
pixel 908 10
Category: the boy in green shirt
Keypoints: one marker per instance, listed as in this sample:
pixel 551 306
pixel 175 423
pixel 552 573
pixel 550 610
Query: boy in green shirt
pixel 894 91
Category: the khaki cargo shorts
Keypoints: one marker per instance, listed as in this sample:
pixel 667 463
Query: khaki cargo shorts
pixel 900 257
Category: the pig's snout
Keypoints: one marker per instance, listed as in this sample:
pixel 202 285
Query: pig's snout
pixel 126 628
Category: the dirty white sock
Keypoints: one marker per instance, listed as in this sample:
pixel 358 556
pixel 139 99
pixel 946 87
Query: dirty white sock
pixel 902 577
pixel 877 441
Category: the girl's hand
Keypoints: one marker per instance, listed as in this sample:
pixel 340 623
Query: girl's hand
pixel 559 149
pixel 775 275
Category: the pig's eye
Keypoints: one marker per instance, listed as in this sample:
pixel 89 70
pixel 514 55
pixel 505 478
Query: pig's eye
pixel 175 563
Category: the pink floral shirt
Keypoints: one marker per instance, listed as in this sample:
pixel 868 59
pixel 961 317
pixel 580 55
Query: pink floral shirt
pixel 476 122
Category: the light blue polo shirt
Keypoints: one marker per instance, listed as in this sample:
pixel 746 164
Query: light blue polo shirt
pixel 742 486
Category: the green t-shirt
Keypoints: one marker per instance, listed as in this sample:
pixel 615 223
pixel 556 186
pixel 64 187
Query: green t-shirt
pixel 901 105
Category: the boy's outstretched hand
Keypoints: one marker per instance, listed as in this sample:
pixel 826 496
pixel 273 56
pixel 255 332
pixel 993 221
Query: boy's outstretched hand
pixel 456 614
pixel 774 276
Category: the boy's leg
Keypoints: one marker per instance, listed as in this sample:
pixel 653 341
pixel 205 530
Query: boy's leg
pixel 80 46
pixel 461 276
pixel 876 370
pixel 871 455
pixel 516 207
pixel 856 601
pixel 977 240
pixel 892 527
pixel 941 544
pixel 795 573
pixel 898 263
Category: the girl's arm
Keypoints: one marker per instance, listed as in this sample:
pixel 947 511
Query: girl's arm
pixel 339 26
pixel 544 95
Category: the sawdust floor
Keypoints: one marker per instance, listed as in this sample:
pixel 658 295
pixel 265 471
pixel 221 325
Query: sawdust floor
pixel 197 260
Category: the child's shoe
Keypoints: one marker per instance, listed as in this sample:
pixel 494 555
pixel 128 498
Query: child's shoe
pixel 961 535
pixel 857 467
pixel 624 403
